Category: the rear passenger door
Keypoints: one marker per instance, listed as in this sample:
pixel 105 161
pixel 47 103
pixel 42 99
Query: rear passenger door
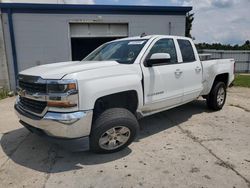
pixel 192 70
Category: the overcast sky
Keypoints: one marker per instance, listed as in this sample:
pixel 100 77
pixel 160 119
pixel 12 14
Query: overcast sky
pixel 225 21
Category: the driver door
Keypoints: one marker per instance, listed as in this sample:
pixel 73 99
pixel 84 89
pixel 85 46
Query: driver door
pixel 162 82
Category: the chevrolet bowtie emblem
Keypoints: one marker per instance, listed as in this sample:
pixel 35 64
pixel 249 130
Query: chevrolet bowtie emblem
pixel 22 92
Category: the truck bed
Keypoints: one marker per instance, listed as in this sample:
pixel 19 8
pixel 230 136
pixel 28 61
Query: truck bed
pixel 214 67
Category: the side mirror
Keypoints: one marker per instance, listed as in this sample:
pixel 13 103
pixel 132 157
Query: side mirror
pixel 158 58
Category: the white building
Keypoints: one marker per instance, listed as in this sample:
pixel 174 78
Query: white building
pixel 35 34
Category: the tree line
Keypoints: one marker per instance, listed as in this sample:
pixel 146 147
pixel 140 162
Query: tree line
pixel 219 46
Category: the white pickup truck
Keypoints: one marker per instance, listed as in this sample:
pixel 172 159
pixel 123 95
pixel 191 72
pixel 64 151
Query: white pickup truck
pixel 95 103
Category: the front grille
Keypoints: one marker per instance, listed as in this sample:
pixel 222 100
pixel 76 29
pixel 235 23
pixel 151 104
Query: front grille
pixel 32 105
pixel 33 87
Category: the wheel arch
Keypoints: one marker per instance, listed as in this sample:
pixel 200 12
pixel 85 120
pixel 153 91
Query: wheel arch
pixel 223 77
pixel 128 99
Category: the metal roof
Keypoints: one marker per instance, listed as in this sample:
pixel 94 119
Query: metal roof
pixel 93 9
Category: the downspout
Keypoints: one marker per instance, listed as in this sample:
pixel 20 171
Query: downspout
pixel 13 43
pixel 169 28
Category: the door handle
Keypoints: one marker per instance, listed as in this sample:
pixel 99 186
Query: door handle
pixel 197 69
pixel 178 72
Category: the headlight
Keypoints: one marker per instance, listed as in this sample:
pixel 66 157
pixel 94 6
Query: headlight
pixel 61 86
pixel 62 94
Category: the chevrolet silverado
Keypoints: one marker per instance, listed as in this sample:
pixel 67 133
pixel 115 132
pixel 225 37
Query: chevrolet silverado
pixel 96 103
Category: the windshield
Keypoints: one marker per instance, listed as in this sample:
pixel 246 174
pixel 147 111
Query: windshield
pixel 124 51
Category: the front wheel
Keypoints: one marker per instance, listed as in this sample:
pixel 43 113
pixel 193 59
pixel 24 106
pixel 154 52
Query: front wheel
pixel 217 96
pixel 113 130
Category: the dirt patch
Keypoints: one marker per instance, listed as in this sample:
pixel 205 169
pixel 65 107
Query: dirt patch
pixel 195 170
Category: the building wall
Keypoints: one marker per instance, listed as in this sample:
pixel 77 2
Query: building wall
pixel 242 58
pixel 4 78
pixel 45 38
pixel 8 51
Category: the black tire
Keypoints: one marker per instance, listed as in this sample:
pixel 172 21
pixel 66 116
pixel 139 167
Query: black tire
pixel 114 117
pixel 212 101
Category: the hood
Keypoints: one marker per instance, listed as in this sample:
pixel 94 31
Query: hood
pixel 59 70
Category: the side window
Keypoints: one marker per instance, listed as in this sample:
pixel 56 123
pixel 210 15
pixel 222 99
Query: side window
pixel 186 50
pixel 164 46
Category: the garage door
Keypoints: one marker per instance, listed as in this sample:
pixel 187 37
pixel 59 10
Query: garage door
pixel 84 30
pixel 85 37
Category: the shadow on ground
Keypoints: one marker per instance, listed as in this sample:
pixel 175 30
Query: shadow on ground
pixel 33 152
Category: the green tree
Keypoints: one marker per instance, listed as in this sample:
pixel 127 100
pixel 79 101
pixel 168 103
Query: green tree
pixel 219 46
pixel 247 43
pixel 189 24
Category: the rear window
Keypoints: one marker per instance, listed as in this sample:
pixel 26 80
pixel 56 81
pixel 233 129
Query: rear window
pixel 186 51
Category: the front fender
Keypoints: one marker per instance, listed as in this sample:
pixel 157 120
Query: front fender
pixel 91 90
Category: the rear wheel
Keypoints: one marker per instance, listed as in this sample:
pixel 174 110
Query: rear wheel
pixel 217 96
pixel 113 130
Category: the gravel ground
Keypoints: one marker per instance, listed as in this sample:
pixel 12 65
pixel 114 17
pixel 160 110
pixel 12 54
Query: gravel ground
pixel 188 146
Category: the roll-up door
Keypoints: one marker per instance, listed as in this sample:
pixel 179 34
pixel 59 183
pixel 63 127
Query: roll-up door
pixel 83 30
pixel 85 37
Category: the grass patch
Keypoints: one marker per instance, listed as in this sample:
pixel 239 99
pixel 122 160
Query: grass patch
pixel 242 80
pixel 3 93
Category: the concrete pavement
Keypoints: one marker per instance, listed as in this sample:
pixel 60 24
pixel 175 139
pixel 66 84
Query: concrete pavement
pixel 188 146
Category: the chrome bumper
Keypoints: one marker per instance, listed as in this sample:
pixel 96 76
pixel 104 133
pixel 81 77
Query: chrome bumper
pixel 60 125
